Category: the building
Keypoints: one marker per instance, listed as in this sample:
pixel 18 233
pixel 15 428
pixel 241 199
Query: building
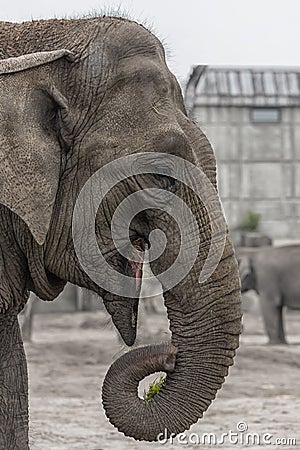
pixel 252 118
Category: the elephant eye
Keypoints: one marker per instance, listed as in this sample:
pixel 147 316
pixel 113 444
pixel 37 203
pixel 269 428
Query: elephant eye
pixel 167 183
pixel 173 183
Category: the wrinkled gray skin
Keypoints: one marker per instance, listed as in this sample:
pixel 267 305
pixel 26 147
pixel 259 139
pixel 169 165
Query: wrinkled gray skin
pixel 274 274
pixel 59 122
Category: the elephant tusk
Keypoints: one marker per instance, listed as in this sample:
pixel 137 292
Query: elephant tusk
pixel 137 264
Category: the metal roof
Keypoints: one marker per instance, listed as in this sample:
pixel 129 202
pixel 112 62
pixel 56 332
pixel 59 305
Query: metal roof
pixel 220 85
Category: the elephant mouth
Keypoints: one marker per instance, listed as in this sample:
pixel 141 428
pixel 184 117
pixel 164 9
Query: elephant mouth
pixel 136 260
pixel 124 311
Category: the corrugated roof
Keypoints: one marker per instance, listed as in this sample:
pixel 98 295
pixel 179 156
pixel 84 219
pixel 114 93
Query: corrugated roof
pixel 272 86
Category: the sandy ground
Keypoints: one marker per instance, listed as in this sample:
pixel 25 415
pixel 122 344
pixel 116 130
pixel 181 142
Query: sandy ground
pixel 70 354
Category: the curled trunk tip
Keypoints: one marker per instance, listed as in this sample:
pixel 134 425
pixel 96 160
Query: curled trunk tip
pixel 120 386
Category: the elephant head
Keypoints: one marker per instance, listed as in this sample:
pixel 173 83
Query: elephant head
pixel 95 91
pixel 247 273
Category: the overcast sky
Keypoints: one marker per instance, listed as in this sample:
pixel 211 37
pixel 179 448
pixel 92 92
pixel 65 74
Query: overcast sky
pixel 196 31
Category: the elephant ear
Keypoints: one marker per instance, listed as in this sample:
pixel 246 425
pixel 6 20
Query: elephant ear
pixel 13 65
pixel 30 155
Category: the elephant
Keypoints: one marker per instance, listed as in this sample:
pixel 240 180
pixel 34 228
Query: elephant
pixel 273 273
pixel 76 95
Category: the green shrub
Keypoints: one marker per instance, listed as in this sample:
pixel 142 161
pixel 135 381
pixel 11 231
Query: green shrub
pixel 154 389
pixel 250 221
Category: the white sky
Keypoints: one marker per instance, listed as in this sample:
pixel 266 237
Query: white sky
pixel 218 32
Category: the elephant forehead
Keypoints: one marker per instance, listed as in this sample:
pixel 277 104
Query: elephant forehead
pixel 126 45
pixel 133 39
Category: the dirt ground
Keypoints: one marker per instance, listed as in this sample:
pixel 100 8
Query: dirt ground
pixel 69 356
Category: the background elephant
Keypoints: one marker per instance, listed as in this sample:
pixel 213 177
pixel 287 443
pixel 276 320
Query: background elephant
pixel 74 96
pixel 273 272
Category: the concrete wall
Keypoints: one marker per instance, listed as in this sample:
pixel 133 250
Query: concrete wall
pixel 258 166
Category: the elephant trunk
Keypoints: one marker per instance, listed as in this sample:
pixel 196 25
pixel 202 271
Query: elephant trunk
pixel 205 334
